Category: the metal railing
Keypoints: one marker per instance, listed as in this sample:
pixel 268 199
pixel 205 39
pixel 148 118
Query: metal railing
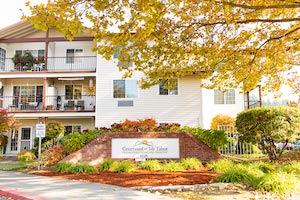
pixel 54 64
pixel 52 103
pixel 252 104
pixel 235 146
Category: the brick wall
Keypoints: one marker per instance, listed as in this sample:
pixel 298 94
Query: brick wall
pixel 100 148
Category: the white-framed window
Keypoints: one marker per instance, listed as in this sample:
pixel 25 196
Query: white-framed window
pixel 40 53
pixel 74 55
pixel 72 129
pixel 125 89
pixel 73 92
pixel 27 93
pixel 171 91
pixel 224 97
pixel 2 58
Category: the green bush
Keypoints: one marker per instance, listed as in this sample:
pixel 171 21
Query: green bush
pixel 82 168
pixel 213 138
pixel 106 165
pixel 26 156
pixel 240 174
pixel 268 125
pixel 191 163
pixel 63 167
pixel 152 165
pixel 76 141
pixel 220 165
pixel 124 167
pixel 279 183
pixel 54 129
pixel 172 167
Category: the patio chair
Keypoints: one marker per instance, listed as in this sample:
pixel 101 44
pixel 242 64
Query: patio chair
pixel 70 105
pixel 80 105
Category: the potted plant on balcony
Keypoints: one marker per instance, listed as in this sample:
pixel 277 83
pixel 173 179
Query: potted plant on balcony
pixel 23 62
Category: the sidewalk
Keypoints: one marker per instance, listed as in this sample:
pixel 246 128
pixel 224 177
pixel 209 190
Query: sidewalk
pixel 39 187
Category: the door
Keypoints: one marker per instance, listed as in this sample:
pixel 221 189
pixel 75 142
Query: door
pixel 25 139
pixel 14 141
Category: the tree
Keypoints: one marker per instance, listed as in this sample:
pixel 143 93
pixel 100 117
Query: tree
pixel 229 43
pixel 269 125
pixel 7 121
pixel 221 120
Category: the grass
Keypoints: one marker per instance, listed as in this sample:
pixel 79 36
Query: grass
pixel 124 167
pixel 191 163
pixel 152 165
pixel 106 165
pixel 172 167
pixel 279 183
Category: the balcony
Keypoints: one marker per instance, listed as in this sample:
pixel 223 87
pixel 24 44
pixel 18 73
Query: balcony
pixel 53 104
pixel 55 64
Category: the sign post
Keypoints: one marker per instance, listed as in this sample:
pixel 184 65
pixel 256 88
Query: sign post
pixel 40 131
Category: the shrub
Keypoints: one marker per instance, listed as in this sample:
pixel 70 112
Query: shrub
pixel 292 167
pixel 75 141
pixel 221 120
pixel 152 165
pixel 169 127
pixel 268 125
pixel 26 156
pixel 213 138
pixel 191 163
pixel 144 125
pixel 124 167
pixel 53 155
pixel 265 167
pixel 172 167
pixel 220 165
pixel 54 129
pixel 82 168
pixel 63 167
pixel 279 183
pixel 239 174
pixel 106 164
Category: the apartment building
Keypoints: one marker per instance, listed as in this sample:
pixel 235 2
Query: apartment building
pixel 44 77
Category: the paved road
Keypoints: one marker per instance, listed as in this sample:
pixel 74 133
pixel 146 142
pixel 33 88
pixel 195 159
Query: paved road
pixel 55 188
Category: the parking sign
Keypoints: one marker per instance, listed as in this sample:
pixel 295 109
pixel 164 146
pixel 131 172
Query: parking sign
pixel 40 130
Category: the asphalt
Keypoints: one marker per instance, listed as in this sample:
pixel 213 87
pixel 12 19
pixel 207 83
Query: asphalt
pixel 25 186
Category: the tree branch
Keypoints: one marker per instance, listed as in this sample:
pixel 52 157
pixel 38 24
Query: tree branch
pixel 261 7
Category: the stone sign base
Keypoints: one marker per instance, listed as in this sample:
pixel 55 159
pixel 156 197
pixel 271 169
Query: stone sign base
pixel 101 147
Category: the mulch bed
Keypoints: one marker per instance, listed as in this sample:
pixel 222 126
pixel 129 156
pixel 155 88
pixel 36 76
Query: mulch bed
pixel 139 178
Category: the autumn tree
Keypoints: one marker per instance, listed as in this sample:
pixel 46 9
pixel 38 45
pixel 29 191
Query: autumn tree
pixel 229 43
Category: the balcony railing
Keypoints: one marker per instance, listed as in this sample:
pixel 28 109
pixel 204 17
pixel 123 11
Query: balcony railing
pixel 54 64
pixel 252 104
pixel 53 103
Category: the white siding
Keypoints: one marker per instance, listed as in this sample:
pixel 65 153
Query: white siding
pixel 210 109
pixel 183 108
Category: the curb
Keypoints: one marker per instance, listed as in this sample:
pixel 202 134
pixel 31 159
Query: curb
pixel 17 195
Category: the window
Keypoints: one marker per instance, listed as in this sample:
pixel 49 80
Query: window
pixel 73 92
pixel 125 89
pixel 35 53
pixel 28 93
pixel 224 97
pixel 72 129
pixel 74 55
pixel 2 58
pixel 172 91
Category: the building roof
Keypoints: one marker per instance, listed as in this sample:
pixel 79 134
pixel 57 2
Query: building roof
pixel 18 30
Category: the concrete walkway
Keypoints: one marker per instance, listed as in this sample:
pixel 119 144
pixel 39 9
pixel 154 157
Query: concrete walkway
pixel 39 187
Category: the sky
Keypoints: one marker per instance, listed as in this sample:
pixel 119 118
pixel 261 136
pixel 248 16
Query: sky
pixel 10 11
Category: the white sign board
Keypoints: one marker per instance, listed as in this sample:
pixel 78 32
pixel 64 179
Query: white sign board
pixel 145 148
pixel 40 130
